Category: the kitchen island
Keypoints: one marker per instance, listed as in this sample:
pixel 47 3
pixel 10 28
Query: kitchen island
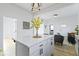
pixel 35 46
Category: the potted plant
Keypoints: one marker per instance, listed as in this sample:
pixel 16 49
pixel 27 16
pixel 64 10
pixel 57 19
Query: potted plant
pixel 36 22
pixel 77 30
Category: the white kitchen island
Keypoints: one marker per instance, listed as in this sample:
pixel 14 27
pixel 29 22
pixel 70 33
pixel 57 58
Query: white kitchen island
pixel 35 46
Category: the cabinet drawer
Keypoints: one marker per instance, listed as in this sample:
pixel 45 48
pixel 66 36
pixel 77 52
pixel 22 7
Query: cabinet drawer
pixel 35 53
pixel 38 52
pixel 34 48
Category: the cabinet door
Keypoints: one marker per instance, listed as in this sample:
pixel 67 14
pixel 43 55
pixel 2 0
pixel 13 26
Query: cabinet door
pixel 49 47
pixel 38 49
pixel 42 48
pixel 77 47
pixel 34 50
pixel 21 49
pixel 35 53
pixel 52 45
pixel 10 34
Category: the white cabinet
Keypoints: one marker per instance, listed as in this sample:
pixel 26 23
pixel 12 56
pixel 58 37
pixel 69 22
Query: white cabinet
pixel 48 47
pixel 34 50
pixel 42 48
pixel 39 49
pixel 77 45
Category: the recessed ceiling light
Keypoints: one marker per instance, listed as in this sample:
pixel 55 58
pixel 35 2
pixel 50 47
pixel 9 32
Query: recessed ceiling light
pixel 55 15
pixel 63 25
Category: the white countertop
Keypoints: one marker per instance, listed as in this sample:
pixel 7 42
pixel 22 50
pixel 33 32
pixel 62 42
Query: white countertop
pixel 29 41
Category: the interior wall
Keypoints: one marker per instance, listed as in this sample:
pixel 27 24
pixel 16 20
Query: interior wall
pixel 1 33
pixel 11 10
pixel 78 15
pixel 66 16
pixel 70 23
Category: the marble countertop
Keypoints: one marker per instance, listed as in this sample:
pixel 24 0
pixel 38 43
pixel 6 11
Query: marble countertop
pixel 29 41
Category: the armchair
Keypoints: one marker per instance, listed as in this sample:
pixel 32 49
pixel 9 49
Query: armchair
pixel 58 39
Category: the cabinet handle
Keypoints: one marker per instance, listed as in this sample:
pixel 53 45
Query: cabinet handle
pixel 51 39
pixel 51 43
pixel 41 51
pixel 41 45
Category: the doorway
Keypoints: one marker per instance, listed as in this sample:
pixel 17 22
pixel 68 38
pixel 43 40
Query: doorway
pixel 9 35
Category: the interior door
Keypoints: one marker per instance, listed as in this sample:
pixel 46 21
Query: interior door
pixel 9 29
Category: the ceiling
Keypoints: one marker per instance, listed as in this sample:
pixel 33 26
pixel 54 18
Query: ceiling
pixel 67 11
pixel 47 10
pixel 43 6
pixel 28 6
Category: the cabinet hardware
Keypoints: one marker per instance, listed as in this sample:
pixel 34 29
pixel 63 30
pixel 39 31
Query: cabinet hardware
pixel 51 43
pixel 41 51
pixel 41 45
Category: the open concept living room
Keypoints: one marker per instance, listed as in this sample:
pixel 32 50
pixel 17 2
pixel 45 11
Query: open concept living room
pixel 39 29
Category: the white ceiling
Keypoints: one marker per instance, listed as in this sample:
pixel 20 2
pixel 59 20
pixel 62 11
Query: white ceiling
pixel 44 7
pixel 69 11
pixel 47 10
pixel 28 6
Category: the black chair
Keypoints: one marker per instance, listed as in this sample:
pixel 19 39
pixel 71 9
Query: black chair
pixel 58 39
pixel 71 39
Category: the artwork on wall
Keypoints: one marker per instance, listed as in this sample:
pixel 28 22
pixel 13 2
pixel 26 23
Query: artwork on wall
pixel 26 25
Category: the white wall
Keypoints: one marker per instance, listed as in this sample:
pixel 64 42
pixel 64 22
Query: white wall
pixel 11 10
pixel 1 32
pixel 70 21
pixel 67 15
pixel 78 15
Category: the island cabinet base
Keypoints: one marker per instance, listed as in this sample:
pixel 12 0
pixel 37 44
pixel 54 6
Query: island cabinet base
pixel 42 48
pixel 21 49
